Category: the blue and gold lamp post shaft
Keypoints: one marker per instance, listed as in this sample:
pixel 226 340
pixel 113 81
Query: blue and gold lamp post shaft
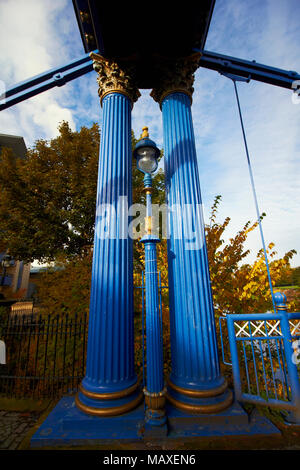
pixel 147 154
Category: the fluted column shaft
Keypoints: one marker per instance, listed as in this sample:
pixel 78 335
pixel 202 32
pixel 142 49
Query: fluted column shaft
pixel 110 384
pixel 195 377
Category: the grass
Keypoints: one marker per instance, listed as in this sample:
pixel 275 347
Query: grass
pixel 24 405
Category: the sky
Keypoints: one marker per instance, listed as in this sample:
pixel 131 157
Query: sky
pixel 37 35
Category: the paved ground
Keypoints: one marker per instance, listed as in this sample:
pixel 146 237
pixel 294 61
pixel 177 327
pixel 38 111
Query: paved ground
pixel 14 426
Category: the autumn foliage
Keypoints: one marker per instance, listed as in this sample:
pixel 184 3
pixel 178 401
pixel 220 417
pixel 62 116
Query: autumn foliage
pixel 47 211
pixel 240 287
pixel 47 200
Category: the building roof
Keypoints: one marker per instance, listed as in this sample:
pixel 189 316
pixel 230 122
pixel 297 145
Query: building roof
pixel 15 142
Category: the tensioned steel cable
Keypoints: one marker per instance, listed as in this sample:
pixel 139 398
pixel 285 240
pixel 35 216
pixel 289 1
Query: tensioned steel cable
pixel 254 191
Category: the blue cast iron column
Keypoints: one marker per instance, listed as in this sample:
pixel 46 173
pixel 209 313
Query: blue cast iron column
pixel 195 383
pixel 110 386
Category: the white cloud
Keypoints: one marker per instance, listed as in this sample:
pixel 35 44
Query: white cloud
pixel 146 112
pixel 32 37
pixel 271 122
pixel 28 37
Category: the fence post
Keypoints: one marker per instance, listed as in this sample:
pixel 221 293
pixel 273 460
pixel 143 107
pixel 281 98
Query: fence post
pixel 234 358
pixel 293 378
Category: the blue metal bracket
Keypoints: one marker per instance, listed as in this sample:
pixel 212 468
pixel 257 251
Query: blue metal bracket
pixel 232 67
pixel 55 77
pixel 245 68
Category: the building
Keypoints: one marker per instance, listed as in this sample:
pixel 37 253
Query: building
pixel 14 275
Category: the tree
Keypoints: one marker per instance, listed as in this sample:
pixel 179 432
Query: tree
pixel 47 200
pixel 286 277
pixel 238 287
pixel 65 288
pixel 296 276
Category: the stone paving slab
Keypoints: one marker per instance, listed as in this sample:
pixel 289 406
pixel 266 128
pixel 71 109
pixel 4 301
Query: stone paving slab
pixel 14 426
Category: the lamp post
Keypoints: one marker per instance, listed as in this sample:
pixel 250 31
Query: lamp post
pixel 146 154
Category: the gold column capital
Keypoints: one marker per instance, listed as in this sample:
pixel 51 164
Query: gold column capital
pixel 114 77
pixel 176 75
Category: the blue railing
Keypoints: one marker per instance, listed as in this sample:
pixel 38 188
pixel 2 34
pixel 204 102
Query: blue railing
pixel 264 353
pixel 265 359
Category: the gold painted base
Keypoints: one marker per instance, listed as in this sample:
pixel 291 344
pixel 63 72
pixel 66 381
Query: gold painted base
pixel 111 411
pixel 198 408
pixel 112 395
pixel 199 393
pixel 155 401
pixel 202 409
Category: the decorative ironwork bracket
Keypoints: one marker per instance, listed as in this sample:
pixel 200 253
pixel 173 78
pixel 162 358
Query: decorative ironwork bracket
pixel 232 67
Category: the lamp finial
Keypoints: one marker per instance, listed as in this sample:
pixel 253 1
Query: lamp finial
pixel 145 132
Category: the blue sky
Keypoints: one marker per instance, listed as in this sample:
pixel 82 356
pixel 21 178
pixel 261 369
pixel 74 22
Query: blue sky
pixel 37 35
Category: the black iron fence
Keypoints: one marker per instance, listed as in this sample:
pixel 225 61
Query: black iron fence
pixel 45 355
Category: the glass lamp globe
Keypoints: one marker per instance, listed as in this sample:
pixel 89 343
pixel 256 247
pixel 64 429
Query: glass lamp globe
pixel 146 159
pixel 146 154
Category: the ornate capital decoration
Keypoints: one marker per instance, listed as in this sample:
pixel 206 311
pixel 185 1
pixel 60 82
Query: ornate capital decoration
pixel 115 78
pixel 176 75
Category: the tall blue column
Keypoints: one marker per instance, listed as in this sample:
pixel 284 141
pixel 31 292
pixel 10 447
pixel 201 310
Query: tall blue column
pixel 110 386
pixel 195 383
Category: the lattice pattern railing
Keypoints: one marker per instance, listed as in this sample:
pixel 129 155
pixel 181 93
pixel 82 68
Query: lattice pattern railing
pixel 252 329
pixel 263 359
pixel 294 326
pixel 264 328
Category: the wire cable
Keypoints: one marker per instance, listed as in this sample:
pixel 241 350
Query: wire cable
pixel 254 192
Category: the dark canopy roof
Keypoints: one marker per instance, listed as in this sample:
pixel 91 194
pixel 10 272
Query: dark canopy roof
pixel 123 32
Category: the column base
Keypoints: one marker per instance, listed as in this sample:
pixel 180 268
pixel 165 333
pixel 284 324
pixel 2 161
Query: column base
pixel 66 426
pixel 195 401
pixel 109 404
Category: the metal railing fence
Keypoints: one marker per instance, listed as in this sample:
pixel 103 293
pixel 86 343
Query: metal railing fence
pixel 265 365
pixel 45 355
